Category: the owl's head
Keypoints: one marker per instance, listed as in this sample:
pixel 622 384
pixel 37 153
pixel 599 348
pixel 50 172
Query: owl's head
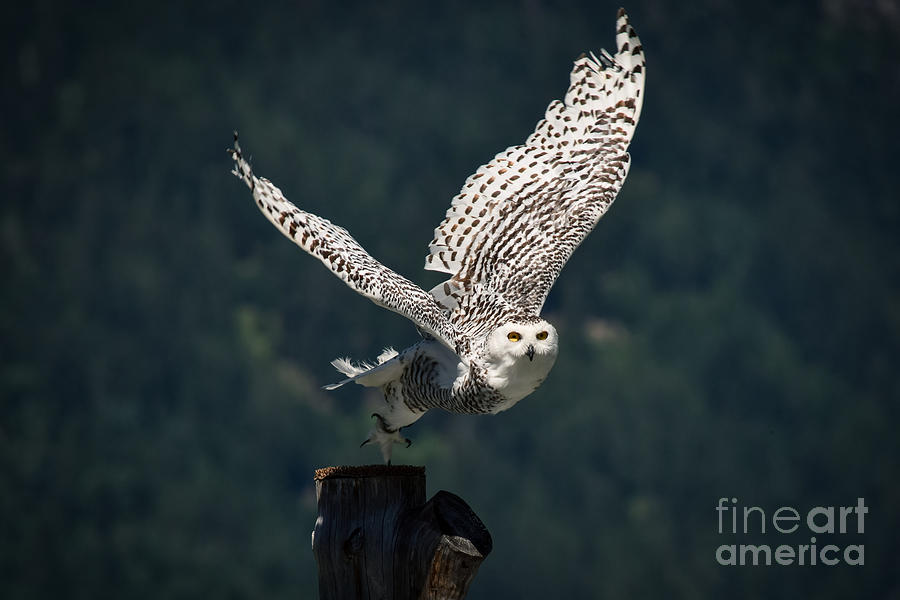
pixel 534 339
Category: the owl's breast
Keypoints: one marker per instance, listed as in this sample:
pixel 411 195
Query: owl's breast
pixel 515 378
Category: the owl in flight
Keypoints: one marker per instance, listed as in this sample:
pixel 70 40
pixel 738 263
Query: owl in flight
pixel 503 242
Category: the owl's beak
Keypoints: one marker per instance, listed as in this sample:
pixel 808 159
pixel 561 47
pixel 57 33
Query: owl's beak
pixel 530 351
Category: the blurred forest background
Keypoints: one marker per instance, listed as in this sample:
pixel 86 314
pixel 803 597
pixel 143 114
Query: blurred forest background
pixel 731 329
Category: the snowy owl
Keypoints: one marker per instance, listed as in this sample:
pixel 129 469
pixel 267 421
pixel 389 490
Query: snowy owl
pixel 504 241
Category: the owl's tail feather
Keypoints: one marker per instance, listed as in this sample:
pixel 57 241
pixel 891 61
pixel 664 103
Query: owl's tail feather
pixel 388 368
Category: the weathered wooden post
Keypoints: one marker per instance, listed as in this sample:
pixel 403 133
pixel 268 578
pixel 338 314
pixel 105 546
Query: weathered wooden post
pixel 376 537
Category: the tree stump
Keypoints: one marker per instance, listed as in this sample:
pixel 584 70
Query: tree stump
pixel 377 538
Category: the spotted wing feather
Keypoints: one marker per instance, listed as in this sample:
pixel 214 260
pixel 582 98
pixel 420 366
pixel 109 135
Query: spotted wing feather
pixel 343 255
pixel 518 219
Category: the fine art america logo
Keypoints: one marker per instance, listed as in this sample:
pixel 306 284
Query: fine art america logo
pixel 819 520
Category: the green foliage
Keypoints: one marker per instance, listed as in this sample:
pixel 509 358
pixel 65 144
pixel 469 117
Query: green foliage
pixel 731 329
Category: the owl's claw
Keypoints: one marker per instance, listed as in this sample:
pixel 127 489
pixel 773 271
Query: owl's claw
pixel 385 437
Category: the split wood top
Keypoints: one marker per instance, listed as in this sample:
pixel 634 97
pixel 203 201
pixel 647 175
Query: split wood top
pixel 369 471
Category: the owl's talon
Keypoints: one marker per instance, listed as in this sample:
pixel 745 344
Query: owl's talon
pixel 385 437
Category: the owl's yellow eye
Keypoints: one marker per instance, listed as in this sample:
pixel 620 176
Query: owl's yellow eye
pixel 542 335
pixel 513 336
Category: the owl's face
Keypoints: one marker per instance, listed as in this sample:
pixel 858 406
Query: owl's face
pixel 532 341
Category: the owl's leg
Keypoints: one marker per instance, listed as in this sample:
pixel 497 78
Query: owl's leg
pixel 385 437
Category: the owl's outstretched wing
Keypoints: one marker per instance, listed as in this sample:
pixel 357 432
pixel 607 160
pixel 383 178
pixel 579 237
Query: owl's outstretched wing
pixel 343 255
pixel 517 220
